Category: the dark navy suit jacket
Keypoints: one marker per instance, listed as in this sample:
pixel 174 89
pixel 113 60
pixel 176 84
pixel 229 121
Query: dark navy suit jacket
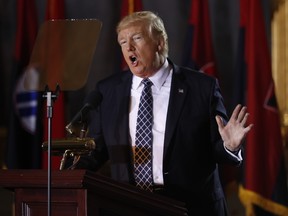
pixel 193 147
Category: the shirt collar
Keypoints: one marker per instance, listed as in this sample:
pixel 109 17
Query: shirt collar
pixel 157 79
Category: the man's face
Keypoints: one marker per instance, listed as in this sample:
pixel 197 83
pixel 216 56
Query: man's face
pixel 140 51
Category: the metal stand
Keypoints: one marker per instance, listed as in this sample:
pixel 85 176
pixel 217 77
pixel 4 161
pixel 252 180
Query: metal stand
pixel 50 98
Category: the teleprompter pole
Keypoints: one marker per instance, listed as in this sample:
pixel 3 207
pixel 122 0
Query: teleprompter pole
pixel 50 98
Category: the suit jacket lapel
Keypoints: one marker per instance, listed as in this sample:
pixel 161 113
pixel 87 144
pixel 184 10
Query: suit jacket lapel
pixel 178 94
pixel 122 103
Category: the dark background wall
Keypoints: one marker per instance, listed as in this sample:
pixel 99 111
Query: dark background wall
pixel 224 20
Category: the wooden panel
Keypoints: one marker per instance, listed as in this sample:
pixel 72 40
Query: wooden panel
pixel 83 193
pixel 64 202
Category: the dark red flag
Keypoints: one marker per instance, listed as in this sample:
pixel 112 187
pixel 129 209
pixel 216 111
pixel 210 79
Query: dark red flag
pixel 264 186
pixel 199 50
pixel 25 131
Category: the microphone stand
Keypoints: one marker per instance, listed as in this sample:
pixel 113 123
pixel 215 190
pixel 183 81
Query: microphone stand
pixel 50 98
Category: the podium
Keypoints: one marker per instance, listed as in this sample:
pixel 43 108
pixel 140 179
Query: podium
pixel 81 193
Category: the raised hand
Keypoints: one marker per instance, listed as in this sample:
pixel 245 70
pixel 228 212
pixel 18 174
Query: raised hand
pixel 234 132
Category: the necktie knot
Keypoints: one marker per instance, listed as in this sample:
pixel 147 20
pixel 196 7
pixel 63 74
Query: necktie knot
pixel 147 82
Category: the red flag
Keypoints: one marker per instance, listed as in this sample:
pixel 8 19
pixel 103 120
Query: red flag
pixel 55 9
pixel 265 185
pixel 128 7
pixel 200 54
pixel 24 134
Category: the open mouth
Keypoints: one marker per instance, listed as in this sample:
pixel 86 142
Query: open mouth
pixel 133 60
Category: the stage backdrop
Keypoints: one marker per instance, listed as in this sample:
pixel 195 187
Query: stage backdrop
pixel 186 21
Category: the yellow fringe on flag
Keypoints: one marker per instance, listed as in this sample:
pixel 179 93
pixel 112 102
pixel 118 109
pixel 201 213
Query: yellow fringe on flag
pixel 250 198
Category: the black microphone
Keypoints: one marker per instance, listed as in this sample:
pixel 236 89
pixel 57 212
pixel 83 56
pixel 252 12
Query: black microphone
pixel 92 101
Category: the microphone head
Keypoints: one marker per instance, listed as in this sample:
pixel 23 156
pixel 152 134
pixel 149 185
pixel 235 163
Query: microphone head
pixel 92 101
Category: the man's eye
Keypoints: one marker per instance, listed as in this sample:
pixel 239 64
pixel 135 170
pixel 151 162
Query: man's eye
pixel 137 38
pixel 122 43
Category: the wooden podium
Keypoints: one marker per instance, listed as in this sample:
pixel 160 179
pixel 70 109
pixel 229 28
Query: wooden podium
pixel 81 193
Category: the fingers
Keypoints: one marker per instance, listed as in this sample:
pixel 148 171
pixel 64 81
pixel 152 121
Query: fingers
pixel 244 120
pixel 243 114
pixel 248 128
pixel 235 113
pixel 240 115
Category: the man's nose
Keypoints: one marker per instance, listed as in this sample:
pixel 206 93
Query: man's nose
pixel 130 46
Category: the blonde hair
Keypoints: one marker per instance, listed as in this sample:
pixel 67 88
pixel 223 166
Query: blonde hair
pixel 154 24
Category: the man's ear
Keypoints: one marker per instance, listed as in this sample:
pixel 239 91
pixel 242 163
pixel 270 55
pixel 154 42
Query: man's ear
pixel 160 44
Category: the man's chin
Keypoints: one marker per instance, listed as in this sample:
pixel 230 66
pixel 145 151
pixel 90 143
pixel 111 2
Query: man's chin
pixel 138 72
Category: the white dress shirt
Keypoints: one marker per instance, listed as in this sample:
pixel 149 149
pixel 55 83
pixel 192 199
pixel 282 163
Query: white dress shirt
pixel 160 91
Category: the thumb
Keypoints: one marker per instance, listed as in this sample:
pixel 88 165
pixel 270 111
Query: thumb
pixel 219 121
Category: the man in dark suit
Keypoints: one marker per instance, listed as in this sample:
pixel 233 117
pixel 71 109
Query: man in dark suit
pixel 191 132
